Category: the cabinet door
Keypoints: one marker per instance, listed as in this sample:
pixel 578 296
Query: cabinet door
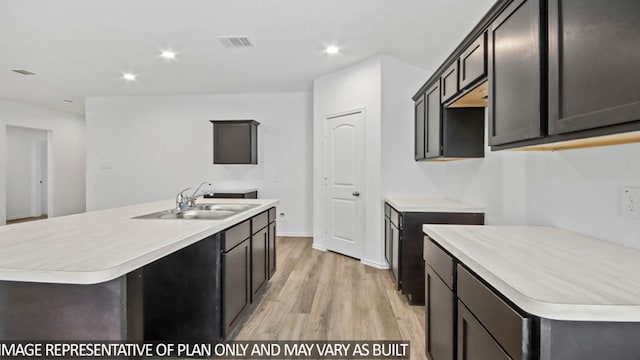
pixel 236 286
pixel 449 82
pixel 272 249
pixel 473 62
pixel 439 317
pixel 395 252
pixel 419 113
pixel 259 260
pixel 387 240
pixel 433 122
pixel 474 342
pixel 515 73
pixel 593 62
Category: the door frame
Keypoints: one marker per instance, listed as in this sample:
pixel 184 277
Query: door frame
pixel 325 173
pixel 3 161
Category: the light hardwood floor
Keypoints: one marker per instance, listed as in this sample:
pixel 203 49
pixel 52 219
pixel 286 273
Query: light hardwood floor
pixel 316 295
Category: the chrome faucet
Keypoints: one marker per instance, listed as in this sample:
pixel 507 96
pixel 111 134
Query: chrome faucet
pixel 191 201
pixel 182 202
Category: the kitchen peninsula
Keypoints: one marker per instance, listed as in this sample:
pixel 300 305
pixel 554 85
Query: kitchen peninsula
pixel 529 292
pixel 103 275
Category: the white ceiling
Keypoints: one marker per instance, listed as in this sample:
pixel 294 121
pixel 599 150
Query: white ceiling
pixel 79 48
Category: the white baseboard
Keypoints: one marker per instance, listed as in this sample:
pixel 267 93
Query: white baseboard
pixel 319 247
pixel 294 234
pixel 375 264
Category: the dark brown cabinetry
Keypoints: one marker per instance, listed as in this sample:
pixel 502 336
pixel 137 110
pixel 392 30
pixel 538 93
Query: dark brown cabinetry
pixel 443 133
pixel 593 56
pixel 404 245
pixel 474 342
pixel 420 108
pixel 236 280
pixel 393 225
pixel 271 248
pixel 516 70
pixel 259 252
pixel 473 63
pixel 440 304
pixel 235 141
pixel 449 82
pixel 465 317
pixel 203 292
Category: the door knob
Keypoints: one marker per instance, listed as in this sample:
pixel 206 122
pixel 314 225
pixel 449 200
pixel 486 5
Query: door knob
pixel 355 193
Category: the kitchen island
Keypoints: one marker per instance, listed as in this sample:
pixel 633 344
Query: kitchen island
pixel 103 275
pixel 527 292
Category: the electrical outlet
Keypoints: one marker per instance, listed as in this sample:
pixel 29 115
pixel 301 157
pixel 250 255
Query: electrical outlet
pixel 631 202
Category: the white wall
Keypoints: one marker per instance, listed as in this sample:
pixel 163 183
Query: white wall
pixel 401 174
pixel 21 172
pixel 383 87
pixel 147 148
pixel 578 190
pixel 355 87
pixel 66 154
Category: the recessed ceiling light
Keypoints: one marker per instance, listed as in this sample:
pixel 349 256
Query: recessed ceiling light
pixel 332 50
pixel 129 76
pixel 168 54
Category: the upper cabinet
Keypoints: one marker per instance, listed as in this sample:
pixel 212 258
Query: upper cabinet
pixel 444 133
pixel 554 74
pixel 450 82
pixel 515 74
pixel 235 141
pixel 473 63
pixel 593 64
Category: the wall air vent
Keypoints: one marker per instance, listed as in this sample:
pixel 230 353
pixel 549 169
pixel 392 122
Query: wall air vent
pixel 235 41
pixel 23 72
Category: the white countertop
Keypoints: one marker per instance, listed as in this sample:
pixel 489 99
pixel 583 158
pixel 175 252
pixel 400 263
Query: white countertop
pixel 549 272
pixel 102 245
pixel 422 204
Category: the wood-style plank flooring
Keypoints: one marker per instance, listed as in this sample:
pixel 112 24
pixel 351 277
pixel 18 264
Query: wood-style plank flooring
pixel 316 295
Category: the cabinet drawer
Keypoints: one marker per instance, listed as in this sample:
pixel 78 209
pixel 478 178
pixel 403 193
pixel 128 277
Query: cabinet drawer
pixel 396 218
pixel 439 261
pixel 449 82
pixel 272 215
pixel 235 235
pixel 505 324
pixel 473 62
pixel 259 221
pixel 474 342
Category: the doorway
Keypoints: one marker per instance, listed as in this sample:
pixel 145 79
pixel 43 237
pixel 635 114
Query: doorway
pixel 27 167
pixel 344 180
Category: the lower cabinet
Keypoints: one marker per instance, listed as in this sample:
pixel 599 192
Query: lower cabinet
pixel 235 285
pixel 203 292
pixel 404 245
pixel 271 249
pixel 259 260
pixel 465 319
pixel 439 317
pixel 474 342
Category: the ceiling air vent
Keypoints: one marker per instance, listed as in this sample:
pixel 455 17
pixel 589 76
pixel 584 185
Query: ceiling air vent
pixel 23 72
pixel 235 41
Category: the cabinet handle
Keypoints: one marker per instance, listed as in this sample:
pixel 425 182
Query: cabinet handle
pixel 355 193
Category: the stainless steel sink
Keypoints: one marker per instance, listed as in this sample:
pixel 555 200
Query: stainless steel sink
pixel 200 212
pixel 225 207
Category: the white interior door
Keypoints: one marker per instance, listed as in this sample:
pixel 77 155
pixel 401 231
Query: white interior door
pixel 41 178
pixel 344 177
